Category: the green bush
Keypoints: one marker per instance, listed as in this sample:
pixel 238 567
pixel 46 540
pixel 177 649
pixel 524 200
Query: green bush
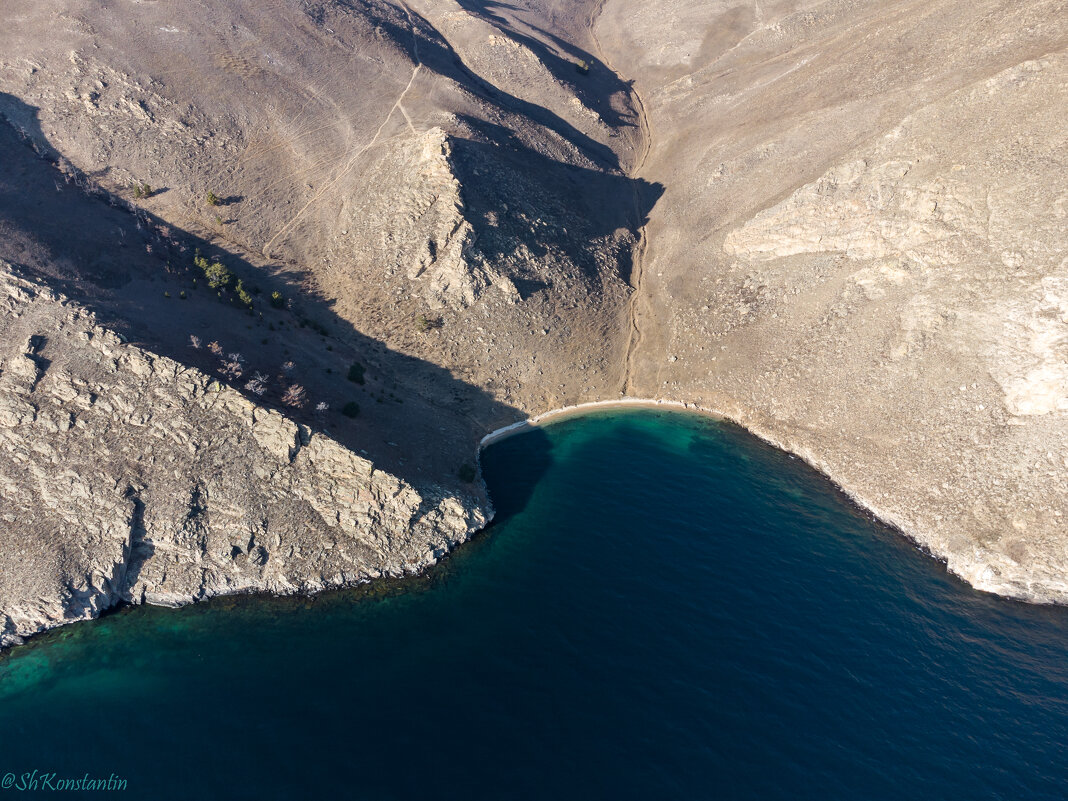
pixel 242 294
pixel 278 300
pixel 213 199
pixel 218 276
pixel 356 372
pixel 351 409
pixel 424 323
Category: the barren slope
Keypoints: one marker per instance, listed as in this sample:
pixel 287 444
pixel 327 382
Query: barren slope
pixel 860 254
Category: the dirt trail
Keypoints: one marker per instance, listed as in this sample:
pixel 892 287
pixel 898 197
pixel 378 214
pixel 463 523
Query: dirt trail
pixel 633 170
pixel 374 140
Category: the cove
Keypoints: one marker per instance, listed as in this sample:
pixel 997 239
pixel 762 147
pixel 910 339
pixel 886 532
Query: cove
pixel 665 607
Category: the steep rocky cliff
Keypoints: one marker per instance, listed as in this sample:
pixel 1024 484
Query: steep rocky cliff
pixel 129 477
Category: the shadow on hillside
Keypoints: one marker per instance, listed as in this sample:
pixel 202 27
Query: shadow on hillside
pixel 128 267
pixel 438 55
pixel 578 204
pixel 596 85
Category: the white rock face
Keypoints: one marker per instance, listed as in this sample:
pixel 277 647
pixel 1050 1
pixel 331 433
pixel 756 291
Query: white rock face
pixel 421 226
pixel 126 476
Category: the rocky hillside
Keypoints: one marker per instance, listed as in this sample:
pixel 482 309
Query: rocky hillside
pixel 130 477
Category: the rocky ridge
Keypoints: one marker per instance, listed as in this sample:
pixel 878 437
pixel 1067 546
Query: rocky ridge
pixel 128 477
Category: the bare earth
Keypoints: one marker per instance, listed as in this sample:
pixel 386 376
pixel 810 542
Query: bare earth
pixel 841 224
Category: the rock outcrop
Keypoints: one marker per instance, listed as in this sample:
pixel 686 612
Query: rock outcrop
pixel 128 477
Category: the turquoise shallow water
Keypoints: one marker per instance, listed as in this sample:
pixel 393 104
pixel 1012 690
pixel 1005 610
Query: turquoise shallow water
pixel 666 608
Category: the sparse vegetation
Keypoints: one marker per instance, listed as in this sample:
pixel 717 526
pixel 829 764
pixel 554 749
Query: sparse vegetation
pixel 278 300
pixel 295 396
pixel 213 199
pixel 351 409
pixel 424 323
pixel 142 190
pixel 232 366
pixel 582 66
pixel 219 277
pixel 257 385
pixel 356 372
pixel 242 294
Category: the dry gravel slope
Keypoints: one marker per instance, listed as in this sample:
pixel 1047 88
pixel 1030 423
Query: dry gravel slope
pixel 862 254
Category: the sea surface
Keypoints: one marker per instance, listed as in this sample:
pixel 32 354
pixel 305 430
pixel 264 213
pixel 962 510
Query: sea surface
pixel 665 608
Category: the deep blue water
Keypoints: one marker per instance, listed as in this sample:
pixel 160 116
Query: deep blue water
pixel 666 608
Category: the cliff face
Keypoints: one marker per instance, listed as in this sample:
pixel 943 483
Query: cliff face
pixel 129 477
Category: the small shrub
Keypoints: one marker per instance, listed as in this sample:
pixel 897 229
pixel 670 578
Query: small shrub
pixel 232 367
pixel 467 472
pixel 182 295
pixel 278 300
pixel 351 409
pixel 258 384
pixel 356 372
pixel 424 323
pixel 295 396
pixel 166 294
pixel 582 66
pixel 242 294
pixel 218 276
pixel 213 199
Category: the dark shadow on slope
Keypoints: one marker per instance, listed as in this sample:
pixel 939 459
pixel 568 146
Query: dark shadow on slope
pixel 596 85
pixel 437 54
pixel 571 205
pixel 129 267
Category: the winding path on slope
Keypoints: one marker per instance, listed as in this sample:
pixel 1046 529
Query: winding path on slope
pixel 374 140
pixel 633 171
